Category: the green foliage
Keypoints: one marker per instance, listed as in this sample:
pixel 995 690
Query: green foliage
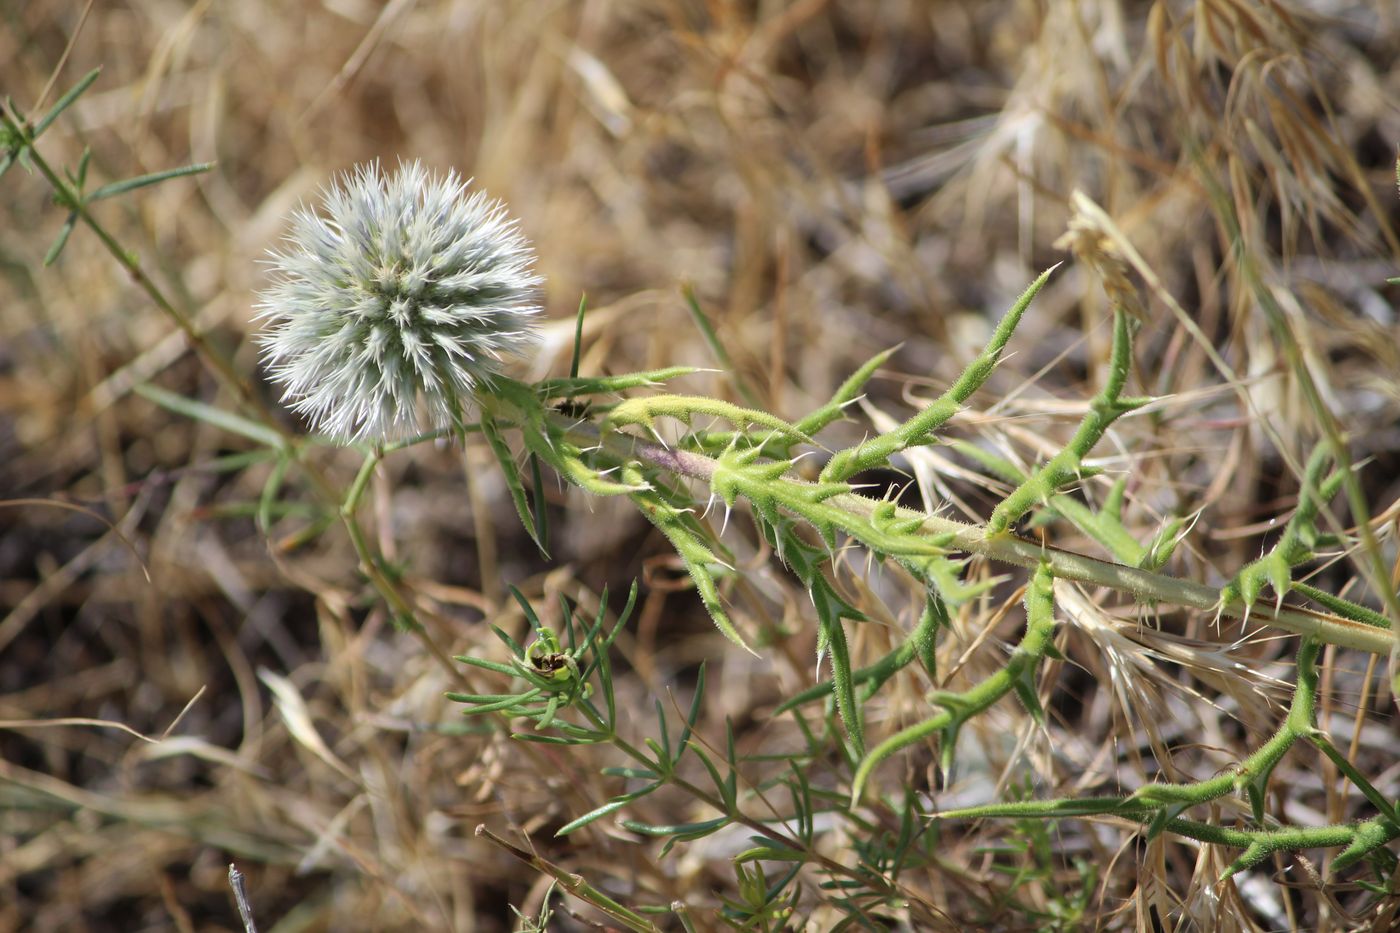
pixel 1296 545
pixel 920 429
pixel 560 684
pixel 806 523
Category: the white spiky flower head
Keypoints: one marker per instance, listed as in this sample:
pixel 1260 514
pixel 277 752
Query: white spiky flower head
pixel 393 306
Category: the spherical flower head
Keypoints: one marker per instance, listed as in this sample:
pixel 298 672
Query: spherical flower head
pixel 390 308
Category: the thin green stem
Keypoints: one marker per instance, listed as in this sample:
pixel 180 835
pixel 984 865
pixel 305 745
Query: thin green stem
pixel 521 407
pixel 575 884
pixel 1008 548
pixel 718 805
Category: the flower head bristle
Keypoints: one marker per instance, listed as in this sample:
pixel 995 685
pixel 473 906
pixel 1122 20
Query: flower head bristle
pixel 396 303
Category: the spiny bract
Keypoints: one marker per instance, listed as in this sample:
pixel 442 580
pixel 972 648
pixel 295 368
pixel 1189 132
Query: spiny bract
pixel 407 289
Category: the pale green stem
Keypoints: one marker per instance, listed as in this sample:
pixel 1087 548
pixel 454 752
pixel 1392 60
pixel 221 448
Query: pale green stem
pixel 1064 565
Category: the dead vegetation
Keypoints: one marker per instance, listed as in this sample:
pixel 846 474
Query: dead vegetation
pixel 831 178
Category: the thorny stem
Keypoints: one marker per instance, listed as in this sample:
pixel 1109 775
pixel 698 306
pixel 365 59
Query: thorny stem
pixel 1373 567
pixel 1008 548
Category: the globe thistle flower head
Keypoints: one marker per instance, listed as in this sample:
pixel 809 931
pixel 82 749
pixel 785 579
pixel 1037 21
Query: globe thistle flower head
pixel 390 308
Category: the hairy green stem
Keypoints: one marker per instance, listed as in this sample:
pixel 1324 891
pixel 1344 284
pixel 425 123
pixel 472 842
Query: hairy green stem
pixel 1008 548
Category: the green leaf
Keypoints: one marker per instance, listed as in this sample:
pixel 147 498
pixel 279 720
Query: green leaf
pixel 770 853
pixel 644 411
pixel 919 429
pixel 143 181
pixel 199 411
pixel 691 831
pixel 506 460
pixel 61 240
pixel 831 609
pixel 692 717
pixel 65 102
pixel 707 331
pixel 541 529
pixel 578 336
pixel 612 806
pixel 270 490
pixel 605 385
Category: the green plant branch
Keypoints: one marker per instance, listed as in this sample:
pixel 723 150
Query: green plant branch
pixel 1296 544
pixel 574 884
pixel 21 138
pixel 1068 465
pixel 1360 839
pixel 1007 548
pixel 1373 567
pixel 920 428
pixel 1016 675
pixel 1160 805
pixel 71 199
pixel 564 678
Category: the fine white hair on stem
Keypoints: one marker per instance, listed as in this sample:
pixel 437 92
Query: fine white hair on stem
pixel 395 303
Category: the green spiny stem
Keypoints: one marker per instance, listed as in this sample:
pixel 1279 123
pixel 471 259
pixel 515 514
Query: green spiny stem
pixel 919 429
pixel 1003 547
pixel 1160 804
pixel 917 645
pixel 1066 466
pixel 1360 838
pixel 646 409
pixel 1294 546
pixel 1065 565
pixel 1373 567
pixel 779 447
pixel 1040 627
pixel 1257 767
pixel 602 385
pixel 1104 526
pixel 1342 607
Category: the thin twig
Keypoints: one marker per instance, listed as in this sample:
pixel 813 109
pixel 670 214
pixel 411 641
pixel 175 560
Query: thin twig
pixel 240 897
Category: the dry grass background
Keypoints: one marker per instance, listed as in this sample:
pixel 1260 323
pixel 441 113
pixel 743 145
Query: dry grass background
pixel 833 178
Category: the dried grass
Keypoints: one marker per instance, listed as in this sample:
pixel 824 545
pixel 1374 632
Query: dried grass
pixel 831 178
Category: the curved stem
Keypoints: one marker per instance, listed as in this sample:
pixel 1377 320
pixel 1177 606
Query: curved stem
pixel 1008 548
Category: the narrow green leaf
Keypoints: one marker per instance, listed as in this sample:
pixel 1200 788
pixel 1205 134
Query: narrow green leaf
pixel 707 331
pixel 645 774
pixel 506 460
pixel 570 739
pixel 664 752
pixel 493 666
pixel 510 643
pixel 528 609
pixel 606 385
pixel 83 161
pixel 578 336
pixel 692 716
pixel 720 784
pixel 270 490
pixel 770 853
pixel 143 181
pixel 199 411
pixel 65 102
pixel 541 532
pixel 693 830
pixel 612 806
pixel 61 240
